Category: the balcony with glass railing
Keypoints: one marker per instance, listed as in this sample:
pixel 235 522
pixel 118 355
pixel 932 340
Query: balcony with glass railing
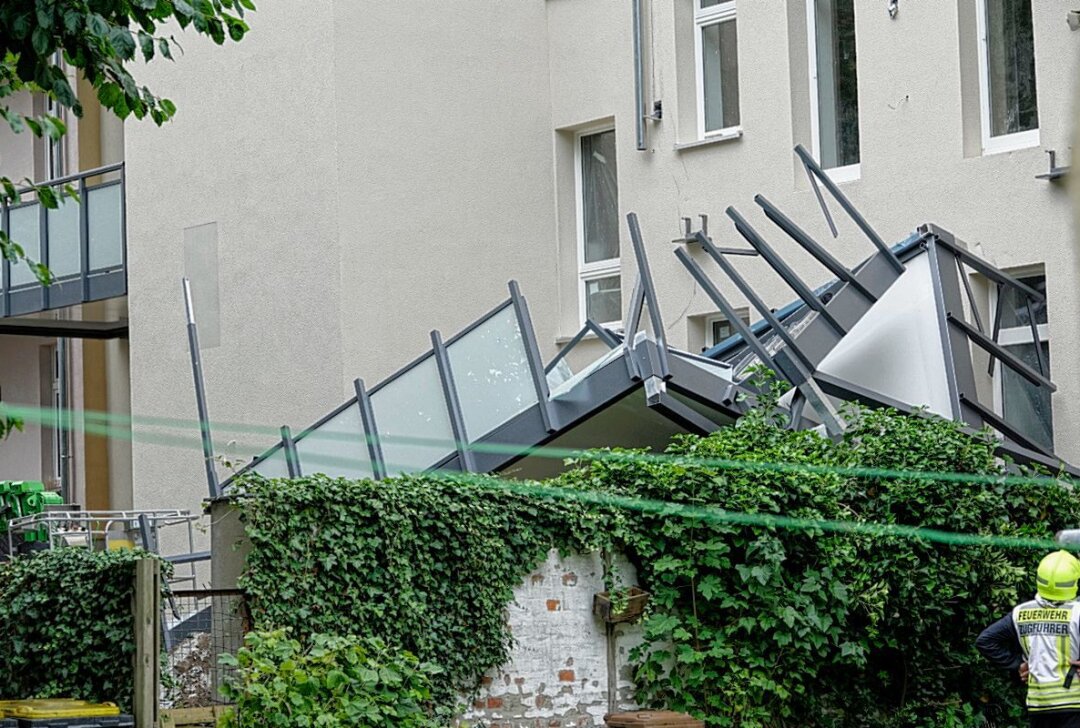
pixel 82 242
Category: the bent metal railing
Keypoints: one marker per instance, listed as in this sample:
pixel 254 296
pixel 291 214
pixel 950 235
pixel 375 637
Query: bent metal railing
pixel 82 242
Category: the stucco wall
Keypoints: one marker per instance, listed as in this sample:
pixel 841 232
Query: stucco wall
pixel 376 170
pixel 20 385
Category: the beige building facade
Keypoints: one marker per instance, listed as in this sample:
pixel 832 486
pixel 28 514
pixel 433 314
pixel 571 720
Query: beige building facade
pixel 356 174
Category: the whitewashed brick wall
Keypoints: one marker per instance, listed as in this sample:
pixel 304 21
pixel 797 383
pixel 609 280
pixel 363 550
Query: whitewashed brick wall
pixel 557 674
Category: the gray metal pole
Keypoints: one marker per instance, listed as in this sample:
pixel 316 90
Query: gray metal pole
pixel 639 78
pixel 200 393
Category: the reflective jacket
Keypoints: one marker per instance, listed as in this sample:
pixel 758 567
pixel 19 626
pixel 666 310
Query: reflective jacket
pixel 1049 635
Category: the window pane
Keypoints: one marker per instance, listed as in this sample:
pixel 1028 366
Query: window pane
pixel 709 3
pixel 106 229
pixel 65 251
pixel 1013 309
pixel 275 466
pixel 837 83
pixel 600 197
pixel 1011 55
pixel 492 374
pixel 720 75
pixel 338 447
pixel 603 299
pixel 413 406
pixel 25 230
pixel 1025 406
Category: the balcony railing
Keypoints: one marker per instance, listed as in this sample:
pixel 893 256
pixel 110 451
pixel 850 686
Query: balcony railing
pixel 83 243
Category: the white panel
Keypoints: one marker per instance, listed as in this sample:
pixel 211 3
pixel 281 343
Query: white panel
pixel 895 349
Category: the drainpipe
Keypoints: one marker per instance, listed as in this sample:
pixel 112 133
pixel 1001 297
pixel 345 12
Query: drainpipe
pixel 63 416
pixel 639 77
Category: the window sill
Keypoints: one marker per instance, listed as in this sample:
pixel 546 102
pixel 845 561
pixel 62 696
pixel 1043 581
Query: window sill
pixel 1011 142
pixel 726 136
pixel 843 175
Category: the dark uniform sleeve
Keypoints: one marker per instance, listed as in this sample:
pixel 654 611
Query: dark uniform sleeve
pixel 999 644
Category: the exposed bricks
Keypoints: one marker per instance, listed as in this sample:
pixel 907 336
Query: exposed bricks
pixel 557 673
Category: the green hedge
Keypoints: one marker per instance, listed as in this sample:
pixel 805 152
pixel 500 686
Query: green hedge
pixel 748 626
pixel 66 625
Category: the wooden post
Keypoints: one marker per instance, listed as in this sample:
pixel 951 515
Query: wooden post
pixel 147 611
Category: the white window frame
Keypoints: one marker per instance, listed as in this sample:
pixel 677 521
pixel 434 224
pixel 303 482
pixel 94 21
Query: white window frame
pixel 724 12
pixel 1011 337
pixel 1005 142
pixel 744 316
pixel 598 268
pixel 847 173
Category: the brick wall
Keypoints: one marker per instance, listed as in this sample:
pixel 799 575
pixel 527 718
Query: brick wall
pixel 557 675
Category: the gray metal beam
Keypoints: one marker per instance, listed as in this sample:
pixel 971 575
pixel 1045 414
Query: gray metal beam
pixel 292 460
pixel 999 352
pixel 99 330
pixel 783 270
pixel 453 404
pixel 200 394
pixel 815 169
pixel 532 353
pixel 653 301
pixel 371 430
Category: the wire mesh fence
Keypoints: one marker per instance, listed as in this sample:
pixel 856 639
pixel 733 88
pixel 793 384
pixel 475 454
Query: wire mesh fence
pixel 198 627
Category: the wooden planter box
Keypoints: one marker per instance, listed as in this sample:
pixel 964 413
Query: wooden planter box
pixel 635 606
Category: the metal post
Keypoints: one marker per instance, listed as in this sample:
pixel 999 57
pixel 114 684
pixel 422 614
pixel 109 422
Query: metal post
pixel 783 269
pixel 651 298
pixel 371 430
pixel 5 281
pixel 200 393
pixel 811 164
pixel 453 404
pixel 532 353
pixel 84 239
pixel 639 78
pixel 292 460
pixel 43 249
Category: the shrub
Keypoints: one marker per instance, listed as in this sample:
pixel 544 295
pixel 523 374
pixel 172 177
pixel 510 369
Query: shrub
pixel 333 681
pixel 66 625
pixel 748 625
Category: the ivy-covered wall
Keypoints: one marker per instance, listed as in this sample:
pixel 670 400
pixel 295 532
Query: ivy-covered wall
pixel 749 624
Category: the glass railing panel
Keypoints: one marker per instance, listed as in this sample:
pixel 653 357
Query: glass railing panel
pixel 413 406
pixel 337 447
pixel 106 227
pixel 24 227
pixel 275 466
pixel 65 254
pixel 491 373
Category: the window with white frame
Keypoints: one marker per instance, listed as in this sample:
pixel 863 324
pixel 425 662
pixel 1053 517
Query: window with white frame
pixel 600 290
pixel 1010 109
pixel 718 328
pixel 1022 404
pixel 717 53
pixel 834 86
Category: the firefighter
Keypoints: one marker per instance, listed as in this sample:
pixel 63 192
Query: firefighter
pixel 1039 641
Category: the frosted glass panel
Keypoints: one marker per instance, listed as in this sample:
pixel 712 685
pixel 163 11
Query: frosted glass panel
pixel 64 253
pixel 24 229
pixel 337 447
pixel 274 466
pixel 103 217
pixel 413 406
pixel 492 375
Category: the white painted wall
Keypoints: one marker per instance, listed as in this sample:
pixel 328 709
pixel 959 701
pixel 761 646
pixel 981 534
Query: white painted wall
pixel 377 170
pixel 20 385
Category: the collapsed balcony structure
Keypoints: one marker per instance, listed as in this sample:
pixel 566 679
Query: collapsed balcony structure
pixel 901 329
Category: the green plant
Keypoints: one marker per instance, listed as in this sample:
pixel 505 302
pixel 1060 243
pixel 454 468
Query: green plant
pixel 746 625
pixel 333 681
pixel 426 564
pixel 66 625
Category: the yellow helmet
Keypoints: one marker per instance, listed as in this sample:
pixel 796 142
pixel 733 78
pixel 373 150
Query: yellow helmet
pixel 1057 576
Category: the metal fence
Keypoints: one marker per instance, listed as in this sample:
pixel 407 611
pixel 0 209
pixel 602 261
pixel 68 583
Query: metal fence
pixel 198 627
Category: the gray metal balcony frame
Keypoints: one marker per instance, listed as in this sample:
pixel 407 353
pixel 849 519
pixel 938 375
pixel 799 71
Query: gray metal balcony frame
pixel 89 284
